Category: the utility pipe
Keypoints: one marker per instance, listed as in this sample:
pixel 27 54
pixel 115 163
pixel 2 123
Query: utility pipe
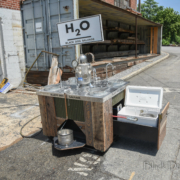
pixel 2 51
pixel 139 5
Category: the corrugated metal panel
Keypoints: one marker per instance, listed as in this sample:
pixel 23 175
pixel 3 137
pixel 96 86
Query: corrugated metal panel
pixel 75 110
pixel 144 34
pixel 40 20
pixel 60 107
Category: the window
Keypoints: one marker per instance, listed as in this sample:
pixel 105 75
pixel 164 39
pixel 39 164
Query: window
pixel 121 3
pixel 117 3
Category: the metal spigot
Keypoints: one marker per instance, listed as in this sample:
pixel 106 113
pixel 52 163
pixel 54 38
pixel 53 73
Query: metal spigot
pixel 77 86
pixel 113 67
pixel 94 74
pixel 61 85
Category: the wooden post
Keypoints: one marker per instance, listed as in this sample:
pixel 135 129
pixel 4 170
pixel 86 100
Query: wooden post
pixel 151 40
pixel 48 115
pixel 99 124
pixel 155 40
pixel 136 36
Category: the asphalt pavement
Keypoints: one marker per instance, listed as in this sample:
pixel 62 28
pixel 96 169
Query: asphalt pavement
pixel 35 158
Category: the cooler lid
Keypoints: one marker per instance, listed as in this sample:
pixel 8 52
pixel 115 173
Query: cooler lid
pixel 143 96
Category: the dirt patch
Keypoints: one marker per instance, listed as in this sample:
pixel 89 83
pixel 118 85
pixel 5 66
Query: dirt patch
pixel 16 110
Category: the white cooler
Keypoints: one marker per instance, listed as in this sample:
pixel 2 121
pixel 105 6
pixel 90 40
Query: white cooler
pixel 142 105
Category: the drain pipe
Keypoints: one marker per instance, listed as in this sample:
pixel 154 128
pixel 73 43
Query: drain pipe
pixel 2 51
pixel 140 6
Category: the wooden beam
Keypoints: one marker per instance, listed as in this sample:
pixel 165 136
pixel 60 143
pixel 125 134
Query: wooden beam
pixel 151 40
pixel 119 41
pixel 48 115
pixel 88 123
pixel 118 29
pixel 155 40
pixel 114 54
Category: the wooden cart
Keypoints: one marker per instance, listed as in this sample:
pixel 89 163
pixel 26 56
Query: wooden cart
pixel 96 121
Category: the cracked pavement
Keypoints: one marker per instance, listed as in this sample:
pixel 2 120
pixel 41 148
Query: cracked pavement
pixel 126 159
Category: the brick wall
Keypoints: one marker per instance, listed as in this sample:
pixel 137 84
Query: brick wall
pixel 10 4
pixel 133 4
pixel 110 1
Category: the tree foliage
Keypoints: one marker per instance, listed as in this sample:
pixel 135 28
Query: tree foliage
pixel 166 16
pixel 150 8
pixel 171 23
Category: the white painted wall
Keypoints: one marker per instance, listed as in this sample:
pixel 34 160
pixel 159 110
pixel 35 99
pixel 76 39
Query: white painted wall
pixel 13 45
pixel 1 63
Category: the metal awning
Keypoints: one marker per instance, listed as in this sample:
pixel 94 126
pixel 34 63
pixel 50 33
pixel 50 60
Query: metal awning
pixel 113 13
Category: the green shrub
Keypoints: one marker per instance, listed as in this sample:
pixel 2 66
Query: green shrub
pixel 173 43
pixel 178 39
pixel 165 42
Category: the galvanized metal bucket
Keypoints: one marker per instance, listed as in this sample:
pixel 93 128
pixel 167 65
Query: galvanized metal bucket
pixel 65 137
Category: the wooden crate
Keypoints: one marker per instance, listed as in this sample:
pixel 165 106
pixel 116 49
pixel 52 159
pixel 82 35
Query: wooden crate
pixel 144 133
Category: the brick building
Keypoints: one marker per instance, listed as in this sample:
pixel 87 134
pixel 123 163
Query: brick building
pixel 10 4
pixel 125 4
pixel 12 61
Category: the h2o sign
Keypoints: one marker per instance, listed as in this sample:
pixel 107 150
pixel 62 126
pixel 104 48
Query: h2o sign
pixel 81 27
pixel 81 31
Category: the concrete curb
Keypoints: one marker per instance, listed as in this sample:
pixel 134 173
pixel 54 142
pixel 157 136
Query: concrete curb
pixel 144 68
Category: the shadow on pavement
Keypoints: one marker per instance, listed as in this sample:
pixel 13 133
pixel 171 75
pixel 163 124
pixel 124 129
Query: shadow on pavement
pixel 62 153
pixel 72 152
pixel 135 145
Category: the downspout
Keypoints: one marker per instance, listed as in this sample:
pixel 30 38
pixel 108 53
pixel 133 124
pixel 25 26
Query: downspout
pixel 2 51
pixel 140 6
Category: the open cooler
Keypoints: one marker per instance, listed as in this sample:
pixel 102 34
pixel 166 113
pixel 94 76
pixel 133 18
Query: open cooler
pixel 142 105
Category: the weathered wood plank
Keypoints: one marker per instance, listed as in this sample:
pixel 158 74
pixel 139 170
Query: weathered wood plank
pixel 118 29
pixel 164 112
pixel 161 133
pixel 48 116
pixel 133 38
pixel 126 41
pixel 98 125
pixel 151 44
pixel 130 63
pixel 41 77
pixel 118 41
pixel 108 123
pixel 43 112
pixel 114 54
pixel 155 40
pixel 162 121
pixel 88 123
